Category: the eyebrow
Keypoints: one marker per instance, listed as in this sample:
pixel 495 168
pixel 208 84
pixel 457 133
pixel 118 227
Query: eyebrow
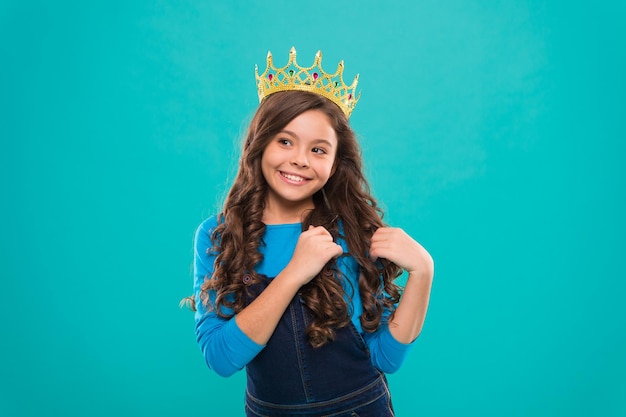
pixel 315 141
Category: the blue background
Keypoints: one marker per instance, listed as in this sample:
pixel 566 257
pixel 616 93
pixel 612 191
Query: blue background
pixel 492 131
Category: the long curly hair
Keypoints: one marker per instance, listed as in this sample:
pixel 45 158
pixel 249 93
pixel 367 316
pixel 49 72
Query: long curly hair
pixel 344 206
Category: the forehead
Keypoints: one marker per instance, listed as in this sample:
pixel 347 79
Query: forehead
pixel 312 125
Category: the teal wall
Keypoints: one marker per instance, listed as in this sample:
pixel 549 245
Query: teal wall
pixel 492 131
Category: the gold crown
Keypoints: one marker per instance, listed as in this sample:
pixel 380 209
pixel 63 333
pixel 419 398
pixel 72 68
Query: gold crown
pixel 313 78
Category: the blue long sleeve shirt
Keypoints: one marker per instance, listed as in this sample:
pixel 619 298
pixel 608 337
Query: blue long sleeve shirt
pixel 227 349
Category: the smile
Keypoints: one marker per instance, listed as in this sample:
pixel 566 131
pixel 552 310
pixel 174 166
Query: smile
pixel 292 177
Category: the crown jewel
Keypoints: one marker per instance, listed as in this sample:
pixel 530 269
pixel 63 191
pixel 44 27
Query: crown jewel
pixel 313 78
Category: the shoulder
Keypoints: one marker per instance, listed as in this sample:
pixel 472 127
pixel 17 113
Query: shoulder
pixel 207 225
pixel 204 232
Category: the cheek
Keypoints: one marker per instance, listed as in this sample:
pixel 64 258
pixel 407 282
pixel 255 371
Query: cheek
pixel 264 168
pixel 270 156
pixel 329 169
pixel 333 168
pixel 265 171
pixel 266 160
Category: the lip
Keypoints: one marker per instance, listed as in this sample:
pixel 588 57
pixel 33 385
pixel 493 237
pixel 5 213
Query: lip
pixel 301 179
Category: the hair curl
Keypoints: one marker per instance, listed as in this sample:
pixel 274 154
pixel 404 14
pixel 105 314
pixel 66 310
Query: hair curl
pixel 345 198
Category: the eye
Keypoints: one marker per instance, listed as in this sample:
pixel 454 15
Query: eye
pixel 319 151
pixel 284 141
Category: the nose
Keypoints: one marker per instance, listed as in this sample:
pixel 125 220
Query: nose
pixel 299 159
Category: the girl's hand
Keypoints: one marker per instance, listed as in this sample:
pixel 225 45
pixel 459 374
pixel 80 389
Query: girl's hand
pixel 398 247
pixel 314 249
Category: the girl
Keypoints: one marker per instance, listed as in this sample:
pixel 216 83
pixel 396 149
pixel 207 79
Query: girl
pixel 294 279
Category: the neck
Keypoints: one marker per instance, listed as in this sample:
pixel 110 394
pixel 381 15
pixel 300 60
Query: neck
pixel 273 214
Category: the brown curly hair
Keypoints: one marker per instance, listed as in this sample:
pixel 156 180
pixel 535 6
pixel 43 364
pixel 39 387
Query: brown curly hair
pixel 344 202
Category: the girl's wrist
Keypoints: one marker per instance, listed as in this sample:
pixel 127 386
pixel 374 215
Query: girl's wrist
pixel 293 274
pixel 427 273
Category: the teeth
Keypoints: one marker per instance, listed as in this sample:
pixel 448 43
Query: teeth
pixel 293 177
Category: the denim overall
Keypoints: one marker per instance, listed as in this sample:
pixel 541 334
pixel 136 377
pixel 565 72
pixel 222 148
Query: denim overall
pixel 291 378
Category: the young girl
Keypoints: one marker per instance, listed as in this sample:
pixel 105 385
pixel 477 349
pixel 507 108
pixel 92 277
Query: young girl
pixel 294 279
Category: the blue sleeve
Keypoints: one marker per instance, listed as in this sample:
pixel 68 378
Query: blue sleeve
pixel 225 347
pixel 386 352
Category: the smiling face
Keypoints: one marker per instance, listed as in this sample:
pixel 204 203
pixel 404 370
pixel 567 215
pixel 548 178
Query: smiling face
pixel 297 162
